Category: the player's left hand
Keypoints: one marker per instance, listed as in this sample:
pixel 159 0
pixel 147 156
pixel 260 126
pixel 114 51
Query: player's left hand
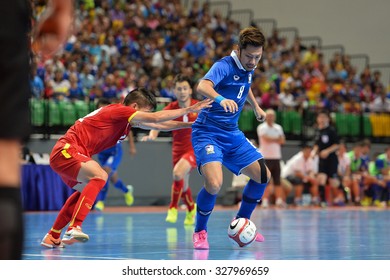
pixel 260 115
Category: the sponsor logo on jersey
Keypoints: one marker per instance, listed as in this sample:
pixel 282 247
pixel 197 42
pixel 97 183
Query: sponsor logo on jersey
pixel 325 138
pixel 209 149
pixel 236 77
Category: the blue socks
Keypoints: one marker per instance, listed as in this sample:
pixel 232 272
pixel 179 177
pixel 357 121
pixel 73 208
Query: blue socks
pixel 119 185
pixel 251 196
pixel 205 205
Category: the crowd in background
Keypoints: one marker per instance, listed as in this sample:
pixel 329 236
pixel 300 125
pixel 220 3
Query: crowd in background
pixel 119 45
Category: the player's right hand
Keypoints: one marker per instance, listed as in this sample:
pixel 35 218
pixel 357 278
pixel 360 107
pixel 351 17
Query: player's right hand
pixel 229 105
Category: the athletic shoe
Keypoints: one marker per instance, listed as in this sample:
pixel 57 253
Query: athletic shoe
pixel 200 240
pixel 75 235
pixel 280 203
pixel 190 217
pixel 50 242
pixel 171 215
pixel 99 206
pixel 129 198
pixel 259 237
pixel 264 203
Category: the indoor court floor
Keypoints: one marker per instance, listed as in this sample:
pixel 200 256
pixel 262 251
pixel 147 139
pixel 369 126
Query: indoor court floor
pixel 344 233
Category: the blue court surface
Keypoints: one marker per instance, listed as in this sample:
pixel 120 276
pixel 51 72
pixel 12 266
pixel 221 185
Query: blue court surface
pixel 292 234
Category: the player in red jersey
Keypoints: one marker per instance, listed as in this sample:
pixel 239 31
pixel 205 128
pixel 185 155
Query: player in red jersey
pixel 71 156
pixel 182 152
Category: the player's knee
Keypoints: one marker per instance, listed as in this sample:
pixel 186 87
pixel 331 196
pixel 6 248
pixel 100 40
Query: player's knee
pixel 265 174
pixel 177 176
pixel 102 175
pixel 213 186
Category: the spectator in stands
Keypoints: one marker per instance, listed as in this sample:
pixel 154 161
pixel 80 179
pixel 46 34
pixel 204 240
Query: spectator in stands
pixel 380 168
pixel 194 47
pixel 343 191
pixel 60 86
pixel 271 138
pixel 75 91
pixel 36 83
pixel 110 89
pixel 301 171
pixel 381 103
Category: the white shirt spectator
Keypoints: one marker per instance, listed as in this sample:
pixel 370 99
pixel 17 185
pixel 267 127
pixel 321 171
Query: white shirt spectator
pixel 270 150
pixel 344 163
pixel 298 164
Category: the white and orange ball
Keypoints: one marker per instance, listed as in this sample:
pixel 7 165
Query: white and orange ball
pixel 242 232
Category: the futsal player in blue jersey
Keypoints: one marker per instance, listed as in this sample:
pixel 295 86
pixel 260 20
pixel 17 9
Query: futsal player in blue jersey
pixel 217 139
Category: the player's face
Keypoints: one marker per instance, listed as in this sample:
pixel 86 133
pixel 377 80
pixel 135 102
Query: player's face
pixel 250 57
pixel 182 91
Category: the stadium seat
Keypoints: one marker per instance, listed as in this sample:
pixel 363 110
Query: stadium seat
pixel 342 124
pixel 353 124
pixel 376 125
pixel 287 122
pixel 246 122
pixel 68 113
pixel 37 107
pixel 296 122
pixel 82 108
pixel 92 106
pixel 367 128
pixel 54 116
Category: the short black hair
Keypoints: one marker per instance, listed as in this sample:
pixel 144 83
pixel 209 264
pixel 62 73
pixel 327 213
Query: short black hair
pixel 102 102
pixel 143 97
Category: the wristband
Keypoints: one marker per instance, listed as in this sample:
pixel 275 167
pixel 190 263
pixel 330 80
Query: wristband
pixel 219 99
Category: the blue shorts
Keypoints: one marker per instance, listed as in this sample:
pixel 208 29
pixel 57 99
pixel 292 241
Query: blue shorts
pixel 111 157
pixel 230 147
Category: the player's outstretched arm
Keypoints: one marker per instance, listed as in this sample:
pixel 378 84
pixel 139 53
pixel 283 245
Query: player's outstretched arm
pixel 167 115
pixel 163 126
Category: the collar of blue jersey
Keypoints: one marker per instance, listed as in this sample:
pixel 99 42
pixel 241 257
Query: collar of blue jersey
pixel 233 54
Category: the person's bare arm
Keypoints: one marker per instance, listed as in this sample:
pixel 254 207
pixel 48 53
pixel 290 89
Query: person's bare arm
pixel 132 149
pixel 164 126
pixel 259 113
pixel 53 27
pixel 167 115
pixel 153 134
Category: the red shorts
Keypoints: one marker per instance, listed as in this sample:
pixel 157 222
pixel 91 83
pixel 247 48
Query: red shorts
pixel 189 156
pixel 66 161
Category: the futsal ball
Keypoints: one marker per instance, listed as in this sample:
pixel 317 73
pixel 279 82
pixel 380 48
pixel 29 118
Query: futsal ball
pixel 242 232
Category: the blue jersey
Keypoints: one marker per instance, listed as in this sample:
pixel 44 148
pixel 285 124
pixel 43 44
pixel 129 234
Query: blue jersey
pixel 111 157
pixel 231 81
pixel 216 136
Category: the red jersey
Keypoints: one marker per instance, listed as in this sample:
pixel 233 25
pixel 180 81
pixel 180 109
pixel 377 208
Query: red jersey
pixel 101 129
pixel 181 142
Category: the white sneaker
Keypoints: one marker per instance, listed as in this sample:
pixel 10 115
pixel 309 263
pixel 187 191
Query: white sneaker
pixel 74 235
pixel 280 203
